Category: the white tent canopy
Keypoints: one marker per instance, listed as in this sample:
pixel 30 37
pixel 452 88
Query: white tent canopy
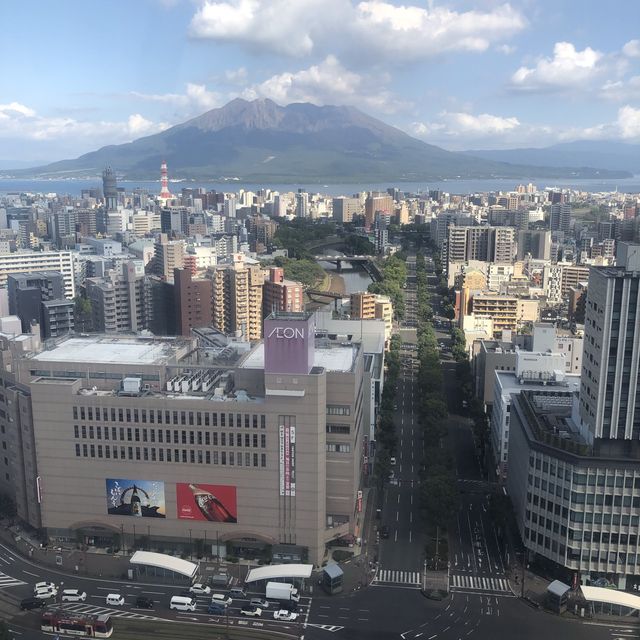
pixel 280 571
pixel 164 561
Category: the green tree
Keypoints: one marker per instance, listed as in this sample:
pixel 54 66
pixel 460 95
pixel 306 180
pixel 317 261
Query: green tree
pixel 83 314
pixel 439 498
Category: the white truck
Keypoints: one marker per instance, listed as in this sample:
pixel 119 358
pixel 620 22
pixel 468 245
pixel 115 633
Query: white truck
pixel 282 591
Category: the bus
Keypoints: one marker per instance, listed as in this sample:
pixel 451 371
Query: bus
pixel 69 623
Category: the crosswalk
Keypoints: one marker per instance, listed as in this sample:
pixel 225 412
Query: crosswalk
pixel 7 581
pixel 78 607
pixel 459 582
pixel 389 577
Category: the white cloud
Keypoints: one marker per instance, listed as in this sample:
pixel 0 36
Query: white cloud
pixel 236 76
pixel 567 68
pixel 622 90
pixel 368 30
pixel 195 99
pixel 632 49
pixel 629 123
pixel 19 122
pixel 507 49
pixel 466 126
pixel 327 83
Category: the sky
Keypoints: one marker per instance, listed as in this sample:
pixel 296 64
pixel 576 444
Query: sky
pixel 485 74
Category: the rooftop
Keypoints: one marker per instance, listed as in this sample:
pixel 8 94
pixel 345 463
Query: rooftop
pixel 333 358
pixel 111 350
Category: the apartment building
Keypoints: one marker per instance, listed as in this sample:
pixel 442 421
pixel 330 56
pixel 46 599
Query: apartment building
pixel 169 255
pixel 486 244
pixel 344 209
pixel 507 312
pixel 30 261
pixel 237 298
pixel 280 294
pixel 193 298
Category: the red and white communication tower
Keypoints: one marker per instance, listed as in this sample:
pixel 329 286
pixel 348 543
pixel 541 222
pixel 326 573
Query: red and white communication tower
pixel 164 181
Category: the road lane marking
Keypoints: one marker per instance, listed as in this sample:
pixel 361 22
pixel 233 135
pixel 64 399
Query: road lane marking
pixel 35 575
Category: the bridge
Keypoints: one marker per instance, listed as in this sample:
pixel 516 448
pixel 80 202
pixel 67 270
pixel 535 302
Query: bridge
pixel 367 263
pixel 335 296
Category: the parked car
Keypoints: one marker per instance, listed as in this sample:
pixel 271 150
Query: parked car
pixel 283 614
pixel 200 589
pixel 143 602
pixel 252 612
pixel 32 603
pixel 384 531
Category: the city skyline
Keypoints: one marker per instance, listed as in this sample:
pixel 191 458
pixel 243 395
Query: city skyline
pixel 456 74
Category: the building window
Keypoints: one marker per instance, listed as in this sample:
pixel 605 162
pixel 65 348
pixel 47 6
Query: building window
pixel 335 447
pixel 76 431
pixel 78 450
pixel 254 421
pixel 93 450
pixel 247 459
pixel 223 457
pixel 263 441
pixel 255 440
pixel 99 451
pixel 84 431
pixel 82 414
pixel 343 429
pixel 161 455
pixel 129 434
pixel 247 440
pixel 207 457
pixel 246 420
pixel 153 454
pixel 75 413
pixel 263 422
pixel 215 457
pixel 255 459
pixel 107 451
pixel 231 459
pixel 137 435
pixel 231 419
pixel 90 413
pixel 99 433
pixel 338 410
pixel 90 432
pixel 223 439
pixel 263 460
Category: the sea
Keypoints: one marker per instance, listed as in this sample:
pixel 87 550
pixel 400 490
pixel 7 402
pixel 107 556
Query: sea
pixel 461 187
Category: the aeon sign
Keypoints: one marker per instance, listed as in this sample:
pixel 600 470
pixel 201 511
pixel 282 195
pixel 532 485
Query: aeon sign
pixel 289 344
pixel 286 333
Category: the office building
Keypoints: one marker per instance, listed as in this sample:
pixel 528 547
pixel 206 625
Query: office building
pixel 302 204
pixel 344 209
pixel 110 189
pixel 267 451
pixel 237 298
pixel 280 294
pixel 536 243
pixel 486 244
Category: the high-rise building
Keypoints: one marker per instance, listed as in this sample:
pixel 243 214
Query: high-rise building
pixel 302 204
pixel 536 243
pixel 192 302
pixel 237 298
pixel 169 255
pixel 110 189
pixel 121 301
pixel 344 209
pixel 560 218
pixel 280 294
pixel 487 244
pixel 31 261
pixel 377 204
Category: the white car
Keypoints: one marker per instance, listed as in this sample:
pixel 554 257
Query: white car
pixel 259 602
pixel 45 593
pixel 252 612
pixel 73 595
pixel 45 585
pixel 200 589
pixel 221 599
pixel 393 460
pixel 283 614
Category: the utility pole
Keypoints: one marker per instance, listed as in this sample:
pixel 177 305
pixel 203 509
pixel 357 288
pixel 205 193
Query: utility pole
pixel 437 546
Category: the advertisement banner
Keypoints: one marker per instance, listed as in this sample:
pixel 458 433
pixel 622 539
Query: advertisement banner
pixel 212 502
pixel 287 437
pixel 138 498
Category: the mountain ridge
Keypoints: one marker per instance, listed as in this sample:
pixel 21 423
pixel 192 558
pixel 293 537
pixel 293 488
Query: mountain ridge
pixel 260 140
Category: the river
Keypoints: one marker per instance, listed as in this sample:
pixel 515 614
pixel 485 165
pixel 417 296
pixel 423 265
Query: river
pixel 354 278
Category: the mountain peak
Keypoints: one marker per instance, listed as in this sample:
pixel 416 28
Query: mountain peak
pixel 260 113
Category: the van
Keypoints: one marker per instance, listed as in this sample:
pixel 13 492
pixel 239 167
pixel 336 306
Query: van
pixel 73 595
pixel 183 603
pixel 115 600
pixel 221 599
pixel 238 592
pixel 219 580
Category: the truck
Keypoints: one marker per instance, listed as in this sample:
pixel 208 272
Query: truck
pixel 282 591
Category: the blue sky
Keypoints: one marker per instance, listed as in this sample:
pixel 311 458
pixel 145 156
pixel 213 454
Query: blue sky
pixel 79 74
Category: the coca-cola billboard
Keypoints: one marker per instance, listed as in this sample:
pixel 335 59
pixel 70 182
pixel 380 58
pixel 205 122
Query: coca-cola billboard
pixel 209 502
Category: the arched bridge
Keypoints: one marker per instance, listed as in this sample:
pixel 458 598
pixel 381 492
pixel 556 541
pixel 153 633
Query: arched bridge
pixel 366 261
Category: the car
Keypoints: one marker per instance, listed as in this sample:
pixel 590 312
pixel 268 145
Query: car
pixel 45 593
pixel 32 603
pixel 392 474
pixel 465 404
pixel 73 595
pixel 283 614
pixel 200 589
pixel 259 602
pixel 216 608
pixel 221 599
pixel 392 460
pixel 45 585
pixel 143 602
pixel 384 531
pixel 252 612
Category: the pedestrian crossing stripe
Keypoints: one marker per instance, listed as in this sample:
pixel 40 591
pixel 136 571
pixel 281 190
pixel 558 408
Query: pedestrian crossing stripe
pixel 479 583
pixel 7 581
pixel 87 608
pixel 398 577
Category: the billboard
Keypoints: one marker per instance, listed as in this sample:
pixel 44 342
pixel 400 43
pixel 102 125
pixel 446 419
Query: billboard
pixel 289 343
pixel 141 498
pixel 212 502
pixel 287 443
